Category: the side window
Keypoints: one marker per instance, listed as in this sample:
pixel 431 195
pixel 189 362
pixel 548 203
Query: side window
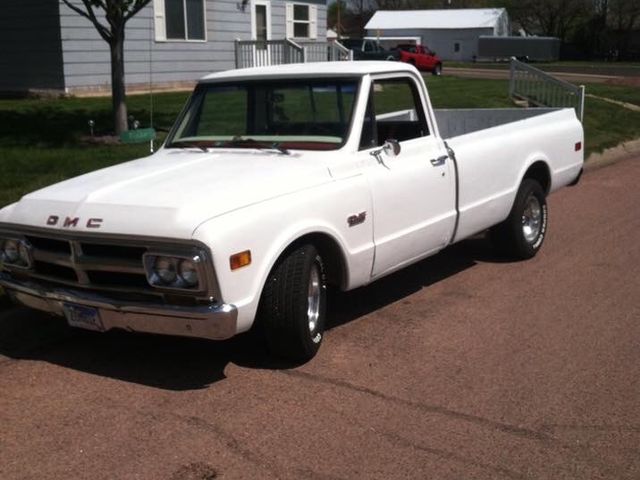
pixel 368 138
pixel 397 113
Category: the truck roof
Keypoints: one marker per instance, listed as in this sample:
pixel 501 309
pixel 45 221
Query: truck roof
pixel 303 70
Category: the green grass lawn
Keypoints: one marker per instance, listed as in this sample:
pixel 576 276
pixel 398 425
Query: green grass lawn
pixel 616 92
pixel 582 66
pixel 41 140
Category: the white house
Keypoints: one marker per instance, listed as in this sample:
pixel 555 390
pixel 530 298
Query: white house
pixel 453 33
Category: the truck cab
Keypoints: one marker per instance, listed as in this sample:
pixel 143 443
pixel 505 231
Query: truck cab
pixel 369 49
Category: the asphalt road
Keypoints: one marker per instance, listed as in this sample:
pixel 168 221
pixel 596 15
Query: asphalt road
pixel 460 367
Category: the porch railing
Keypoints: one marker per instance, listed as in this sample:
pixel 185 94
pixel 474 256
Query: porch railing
pixel 325 52
pixel 256 53
pixel 541 89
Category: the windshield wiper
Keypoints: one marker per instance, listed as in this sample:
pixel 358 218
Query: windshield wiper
pixel 253 143
pixel 180 144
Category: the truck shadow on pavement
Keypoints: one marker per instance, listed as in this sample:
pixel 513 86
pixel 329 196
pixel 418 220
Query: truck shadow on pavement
pixel 174 363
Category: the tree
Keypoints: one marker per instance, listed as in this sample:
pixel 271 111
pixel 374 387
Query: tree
pixel 552 18
pixel 116 13
pixel 624 16
pixel 336 12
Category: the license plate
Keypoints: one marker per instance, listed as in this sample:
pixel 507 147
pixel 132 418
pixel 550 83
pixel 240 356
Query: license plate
pixel 83 317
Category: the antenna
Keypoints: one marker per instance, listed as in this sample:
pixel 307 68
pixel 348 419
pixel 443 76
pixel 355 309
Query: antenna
pixel 151 25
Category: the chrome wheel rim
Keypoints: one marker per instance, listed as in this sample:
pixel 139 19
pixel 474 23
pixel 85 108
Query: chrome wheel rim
pixel 532 219
pixel 314 294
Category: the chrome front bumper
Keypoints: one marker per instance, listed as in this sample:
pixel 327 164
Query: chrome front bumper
pixel 214 321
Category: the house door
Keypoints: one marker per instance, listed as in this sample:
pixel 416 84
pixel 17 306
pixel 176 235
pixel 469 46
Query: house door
pixel 261 31
pixel 458 53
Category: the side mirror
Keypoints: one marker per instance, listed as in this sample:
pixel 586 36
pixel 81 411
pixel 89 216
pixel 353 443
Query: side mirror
pixel 391 147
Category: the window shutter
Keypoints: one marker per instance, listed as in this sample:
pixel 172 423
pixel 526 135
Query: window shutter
pixel 313 22
pixel 289 20
pixel 159 20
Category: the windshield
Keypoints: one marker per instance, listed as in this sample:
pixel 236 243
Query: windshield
pixel 280 114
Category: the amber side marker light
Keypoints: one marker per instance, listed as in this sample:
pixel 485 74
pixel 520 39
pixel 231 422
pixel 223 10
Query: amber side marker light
pixel 239 260
pixel 578 146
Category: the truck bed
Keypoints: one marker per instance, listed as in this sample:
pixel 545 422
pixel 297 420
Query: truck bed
pixel 456 122
pixel 493 147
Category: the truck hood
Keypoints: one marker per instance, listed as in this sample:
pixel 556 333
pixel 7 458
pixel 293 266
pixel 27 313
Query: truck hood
pixel 169 193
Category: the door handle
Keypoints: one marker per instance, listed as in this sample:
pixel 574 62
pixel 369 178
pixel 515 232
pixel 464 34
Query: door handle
pixel 436 162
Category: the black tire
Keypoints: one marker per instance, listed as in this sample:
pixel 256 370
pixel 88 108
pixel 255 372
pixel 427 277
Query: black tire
pixel 285 305
pixel 520 236
pixel 437 70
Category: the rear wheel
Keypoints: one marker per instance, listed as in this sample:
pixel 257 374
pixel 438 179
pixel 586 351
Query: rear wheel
pixel 521 235
pixel 293 305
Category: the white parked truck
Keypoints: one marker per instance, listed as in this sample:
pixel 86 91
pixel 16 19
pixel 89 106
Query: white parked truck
pixel 273 183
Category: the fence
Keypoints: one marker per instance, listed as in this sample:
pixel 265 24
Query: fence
pixel 325 52
pixel 256 53
pixel 541 89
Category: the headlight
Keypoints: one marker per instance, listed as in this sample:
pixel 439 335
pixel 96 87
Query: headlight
pixel 11 251
pixel 165 268
pixel 174 272
pixel 189 272
pixel 15 253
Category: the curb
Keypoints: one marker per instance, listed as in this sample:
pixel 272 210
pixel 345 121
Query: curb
pixel 611 155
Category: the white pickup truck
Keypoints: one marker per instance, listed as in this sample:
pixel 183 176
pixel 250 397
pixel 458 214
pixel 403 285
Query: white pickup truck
pixel 273 183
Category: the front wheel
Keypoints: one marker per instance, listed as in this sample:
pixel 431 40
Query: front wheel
pixel 293 305
pixel 521 235
pixel 437 70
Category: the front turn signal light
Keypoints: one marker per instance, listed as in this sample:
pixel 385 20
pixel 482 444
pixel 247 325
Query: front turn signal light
pixel 240 259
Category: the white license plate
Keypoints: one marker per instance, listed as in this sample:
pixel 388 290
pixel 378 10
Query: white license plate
pixel 83 317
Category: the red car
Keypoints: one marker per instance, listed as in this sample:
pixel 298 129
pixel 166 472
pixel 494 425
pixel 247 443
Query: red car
pixel 421 57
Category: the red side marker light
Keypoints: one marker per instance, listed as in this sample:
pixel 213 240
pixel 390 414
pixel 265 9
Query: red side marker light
pixel 578 146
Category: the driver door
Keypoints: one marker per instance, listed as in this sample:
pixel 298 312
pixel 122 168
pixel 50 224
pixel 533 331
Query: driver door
pixel 413 192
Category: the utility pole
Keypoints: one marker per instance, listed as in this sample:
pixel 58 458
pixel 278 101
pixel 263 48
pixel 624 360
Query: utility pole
pixel 338 24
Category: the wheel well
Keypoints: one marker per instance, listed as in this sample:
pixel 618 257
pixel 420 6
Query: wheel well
pixel 331 253
pixel 539 172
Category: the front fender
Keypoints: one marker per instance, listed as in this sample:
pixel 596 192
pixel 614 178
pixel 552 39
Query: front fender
pixel 268 228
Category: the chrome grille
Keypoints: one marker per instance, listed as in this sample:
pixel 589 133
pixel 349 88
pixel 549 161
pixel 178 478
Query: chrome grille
pixel 110 265
pixel 88 263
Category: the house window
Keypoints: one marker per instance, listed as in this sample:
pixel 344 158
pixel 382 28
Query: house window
pixel 302 20
pixel 180 19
